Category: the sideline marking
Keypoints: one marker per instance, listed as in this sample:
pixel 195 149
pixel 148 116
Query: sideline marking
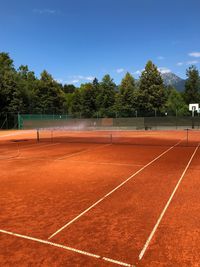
pixel 166 206
pixel 66 248
pixel 109 193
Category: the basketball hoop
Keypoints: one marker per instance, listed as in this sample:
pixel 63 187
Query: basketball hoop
pixel 193 108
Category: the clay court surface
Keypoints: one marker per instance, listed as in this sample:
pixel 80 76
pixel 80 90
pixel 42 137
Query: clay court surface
pixel 133 201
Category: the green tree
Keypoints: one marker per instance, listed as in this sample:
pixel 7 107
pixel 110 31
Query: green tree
pixel 125 102
pixel 76 103
pixel 10 97
pixel 27 83
pixel 6 64
pixel 69 88
pixel 192 86
pixel 151 89
pixel 106 97
pixel 88 100
pixel 49 98
pixel 175 103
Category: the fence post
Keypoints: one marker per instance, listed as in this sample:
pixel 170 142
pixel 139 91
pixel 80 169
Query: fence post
pixel 6 120
pixel 18 121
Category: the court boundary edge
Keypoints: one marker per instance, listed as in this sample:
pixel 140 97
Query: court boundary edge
pixel 82 252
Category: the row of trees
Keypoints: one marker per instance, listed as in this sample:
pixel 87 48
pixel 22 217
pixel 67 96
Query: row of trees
pixel 21 91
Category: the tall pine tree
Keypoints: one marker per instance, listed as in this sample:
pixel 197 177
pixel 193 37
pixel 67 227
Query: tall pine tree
pixel 106 97
pixel 151 89
pixel 125 100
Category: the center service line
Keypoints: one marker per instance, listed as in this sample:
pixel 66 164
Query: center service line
pixel 112 191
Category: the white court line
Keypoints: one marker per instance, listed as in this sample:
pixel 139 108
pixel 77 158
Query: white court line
pixel 32 146
pixel 18 157
pixel 80 152
pixel 166 206
pixel 112 191
pixel 39 146
pixel 106 163
pixel 66 248
pixel 117 262
pixel 60 158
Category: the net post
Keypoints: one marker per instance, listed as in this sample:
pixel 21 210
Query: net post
pixel 18 121
pixel 187 131
pixel 111 139
pixel 51 135
pixel 38 135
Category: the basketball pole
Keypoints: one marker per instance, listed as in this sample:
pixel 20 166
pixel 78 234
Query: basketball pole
pixel 193 109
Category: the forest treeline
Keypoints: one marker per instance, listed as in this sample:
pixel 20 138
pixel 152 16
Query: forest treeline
pixel 22 92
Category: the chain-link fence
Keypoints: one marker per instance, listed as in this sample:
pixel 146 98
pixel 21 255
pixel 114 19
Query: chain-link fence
pixel 28 121
pixel 8 121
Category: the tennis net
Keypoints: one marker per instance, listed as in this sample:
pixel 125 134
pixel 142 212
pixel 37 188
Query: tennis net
pixel 139 137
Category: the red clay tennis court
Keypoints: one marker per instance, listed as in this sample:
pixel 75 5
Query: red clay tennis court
pixel 106 198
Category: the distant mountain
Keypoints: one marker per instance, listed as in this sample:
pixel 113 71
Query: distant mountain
pixel 172 79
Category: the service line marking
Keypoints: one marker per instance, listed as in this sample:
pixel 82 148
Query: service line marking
pixel 112 191
pixel 106 163
pixel 166 206
pixel 66 248
pixel 32 146
pixel 38 146
pixel 83 151
pixel 18 157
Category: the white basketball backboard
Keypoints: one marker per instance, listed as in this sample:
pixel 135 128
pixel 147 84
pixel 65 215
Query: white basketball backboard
pixel 194 107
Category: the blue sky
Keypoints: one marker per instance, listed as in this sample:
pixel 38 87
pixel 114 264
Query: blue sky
pixel 76 40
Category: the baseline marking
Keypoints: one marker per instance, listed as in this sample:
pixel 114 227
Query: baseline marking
pixel 166 206
pixel 66 248
pixel 112 191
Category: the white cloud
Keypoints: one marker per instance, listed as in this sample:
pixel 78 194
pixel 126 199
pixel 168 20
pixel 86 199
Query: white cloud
pixel 78 79
pixel 180 64
pixel 164 70
pixel 59 80
pixel 45 11
pixel 83 78
pixel 120 70
pixel 89 78
pixel 194 54
pixel 137 72
pixel 192 62
pixel 160 58
pixel 75 81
